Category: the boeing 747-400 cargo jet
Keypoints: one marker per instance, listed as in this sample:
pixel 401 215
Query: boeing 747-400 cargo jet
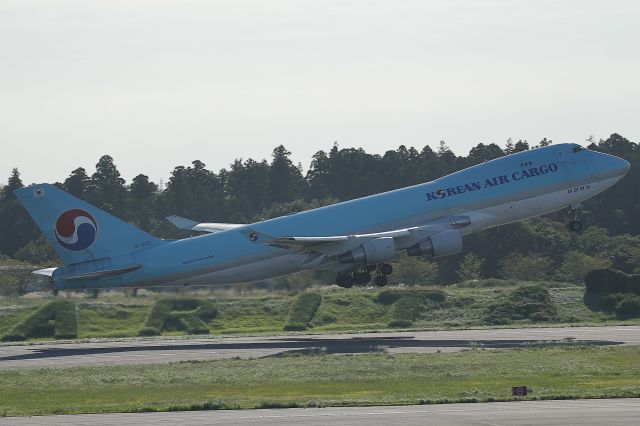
pixel 355 239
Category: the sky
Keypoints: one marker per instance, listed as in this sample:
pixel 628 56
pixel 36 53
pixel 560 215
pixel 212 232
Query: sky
pixel 158 84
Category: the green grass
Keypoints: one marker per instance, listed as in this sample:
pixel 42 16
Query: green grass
pixel 302 311
pixel 98 319
pixel 323 380
pixel 187 314
pixel 355 309
pixel 251 314
pixel 57 319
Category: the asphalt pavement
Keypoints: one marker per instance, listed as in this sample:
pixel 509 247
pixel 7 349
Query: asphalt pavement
pixel 580 412
pixel 159 350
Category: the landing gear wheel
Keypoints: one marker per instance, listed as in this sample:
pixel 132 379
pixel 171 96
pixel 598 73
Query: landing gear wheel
pixel 344 281
pixel 381 280
pixel 575 226
pixel 361 278
pixel 385 269
pixel 370 268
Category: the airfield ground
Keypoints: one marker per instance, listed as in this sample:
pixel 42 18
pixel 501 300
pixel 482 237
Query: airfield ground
pixel 566 412
pixel 349 355
pixel 113 315
pixel 603 366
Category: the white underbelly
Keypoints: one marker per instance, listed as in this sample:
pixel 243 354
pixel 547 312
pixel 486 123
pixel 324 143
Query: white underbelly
pixel 535 206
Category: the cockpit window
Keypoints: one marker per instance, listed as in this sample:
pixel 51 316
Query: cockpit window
pixel 578 148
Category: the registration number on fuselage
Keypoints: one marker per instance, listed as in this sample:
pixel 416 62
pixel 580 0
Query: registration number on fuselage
pixel 142 244
pixel 578 188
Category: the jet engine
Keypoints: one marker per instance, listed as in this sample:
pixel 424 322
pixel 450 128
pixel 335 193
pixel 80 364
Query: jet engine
pixel 441 244
pixel 371 252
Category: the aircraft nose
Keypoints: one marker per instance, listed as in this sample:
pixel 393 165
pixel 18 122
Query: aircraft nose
pixel 610 166
pixel 622 166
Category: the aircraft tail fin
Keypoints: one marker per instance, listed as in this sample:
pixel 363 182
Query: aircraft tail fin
pixel 77 230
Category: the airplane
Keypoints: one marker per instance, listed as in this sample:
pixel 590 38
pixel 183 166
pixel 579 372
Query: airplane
pixel 354 239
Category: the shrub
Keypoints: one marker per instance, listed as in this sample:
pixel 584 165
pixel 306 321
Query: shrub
pixel 149 331
pixel 179 314
pixel 576 265
pixel 628 306
pixel 56 319
pixel 391 295
pixel 408 303
pixel 407 309
pixel 327 318
pixel 612 291
pixel 415 271
pixel 9 284
pixel 470 268
pixel 528 302
pixel 400 323
pixel 611 281
pixel 526 268
pixel 302 311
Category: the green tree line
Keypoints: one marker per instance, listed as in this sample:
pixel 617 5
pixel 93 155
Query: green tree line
pixel 250 190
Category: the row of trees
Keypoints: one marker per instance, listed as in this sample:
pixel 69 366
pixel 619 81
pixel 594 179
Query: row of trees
pixel 251 190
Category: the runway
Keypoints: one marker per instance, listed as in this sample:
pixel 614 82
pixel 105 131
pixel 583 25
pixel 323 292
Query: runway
pixel 161 350
pixel 580 412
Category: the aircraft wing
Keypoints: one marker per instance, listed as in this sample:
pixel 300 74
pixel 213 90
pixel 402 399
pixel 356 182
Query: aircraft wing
pixel 184 223
pixel 321 249
pixel 338 244
pixel 309 242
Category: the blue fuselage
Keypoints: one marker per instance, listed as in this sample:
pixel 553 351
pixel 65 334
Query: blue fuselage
pixel 496 192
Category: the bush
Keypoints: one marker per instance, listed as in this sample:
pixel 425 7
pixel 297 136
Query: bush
pixel 628 306
pixel 56 319
pixel 611 281
pixel 408 308
pixel 603 302
pixel 302 311
pixel 179 314
pixel 528 302
pixel 576 265
pixel 9 285
pixel 326 318
pixel 408 303
pixel 400 323
pixel 149 331
pixel 612 291
pixel 526 268
pixel 391 295
pixel 415 271
pixel 470 268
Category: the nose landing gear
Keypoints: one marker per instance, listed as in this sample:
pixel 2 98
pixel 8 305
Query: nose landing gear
pixel 574 224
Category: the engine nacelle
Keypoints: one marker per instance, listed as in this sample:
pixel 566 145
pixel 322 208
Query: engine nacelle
pixel 371 252
pixel 441 244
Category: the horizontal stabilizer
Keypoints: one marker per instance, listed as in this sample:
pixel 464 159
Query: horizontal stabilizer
pixel 103 273
pixel 188 224
pixel 47 272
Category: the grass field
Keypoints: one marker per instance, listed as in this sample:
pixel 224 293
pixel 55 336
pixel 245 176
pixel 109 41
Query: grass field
pixel 324 380
pixel 114 315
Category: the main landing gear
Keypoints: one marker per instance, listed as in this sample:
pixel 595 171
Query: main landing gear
pixel 364 276
pixel 574 224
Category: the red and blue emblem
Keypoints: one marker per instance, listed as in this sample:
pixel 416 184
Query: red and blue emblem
pixel 76 230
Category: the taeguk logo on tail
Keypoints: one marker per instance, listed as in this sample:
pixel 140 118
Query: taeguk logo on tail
pixel 76 230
